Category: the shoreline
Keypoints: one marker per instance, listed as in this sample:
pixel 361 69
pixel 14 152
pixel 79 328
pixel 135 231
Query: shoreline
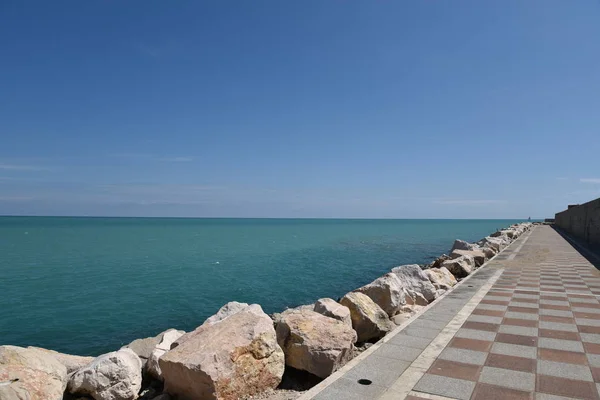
pixel 317 339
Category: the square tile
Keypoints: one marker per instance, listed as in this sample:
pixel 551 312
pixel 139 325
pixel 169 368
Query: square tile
pixel 483 391
pixel 443 386
pixel 463 355
pixel 557 326
pixel 516 339
pixel 474 334
pixel 565 370
pixel 508 378
pixel 481 326
pixel 470 344
pixel 564 335
pixel 519 315
pixel 562 356
pixel 520 322
pixel 566 387
pixel 518 330
pixel 454 369
pixel 511 362
pixel 514 350
pixel 559 344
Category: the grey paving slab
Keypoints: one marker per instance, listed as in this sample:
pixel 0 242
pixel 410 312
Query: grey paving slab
pixel 564 370
pixel 463 356
pixel 560 344
pixel 590 337
pixel 444 386
pixel 520 315
pixel 347 389
pixel 420 332
pixel 587 321
pixel 515 350
pixel 518 330
pixel 427 323
pixel 379 370
pixel 403 353
pixel 508 378
pixel 410 341
pixel 557 326
pixel 475 334
pixel 556 313
pixel 594 360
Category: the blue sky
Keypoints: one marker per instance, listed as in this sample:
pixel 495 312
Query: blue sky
pixel 383 109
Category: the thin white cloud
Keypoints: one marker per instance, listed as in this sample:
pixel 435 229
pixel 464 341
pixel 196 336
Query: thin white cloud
pixel 468 202
pixel 17 167
pixel 589 180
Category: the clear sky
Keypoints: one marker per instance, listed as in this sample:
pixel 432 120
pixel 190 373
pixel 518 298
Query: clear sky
pixel 328 108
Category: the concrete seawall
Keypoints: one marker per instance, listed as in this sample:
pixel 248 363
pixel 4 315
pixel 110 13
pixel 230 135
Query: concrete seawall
pixel 582 221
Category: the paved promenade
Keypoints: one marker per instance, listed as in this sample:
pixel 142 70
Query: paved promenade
pixel 524 326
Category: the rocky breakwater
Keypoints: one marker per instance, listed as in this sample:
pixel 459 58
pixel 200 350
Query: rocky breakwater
pixel 241 352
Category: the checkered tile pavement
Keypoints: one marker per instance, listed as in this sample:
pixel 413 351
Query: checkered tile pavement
pixel 535 334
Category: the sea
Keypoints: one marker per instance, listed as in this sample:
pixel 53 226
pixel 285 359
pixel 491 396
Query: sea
pixel 88 286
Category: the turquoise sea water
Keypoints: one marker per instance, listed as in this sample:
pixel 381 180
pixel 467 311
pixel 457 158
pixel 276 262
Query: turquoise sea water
pixel 89 285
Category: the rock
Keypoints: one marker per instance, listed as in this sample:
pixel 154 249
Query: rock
pixel 168 337
pixel 414 280
pixel 143 347
pixel 368 319
pixel 332 309
pixel 236 357
pixel 388 292
pixel 71 362
pixel 315 343
pixel 494 242
pixel 227 310
pixel 112 376
pixel 478 256
pixel 462 245
pixel 460 267
pixel 40 376
pixel 438 261
pixel 441 278
pixel 489 252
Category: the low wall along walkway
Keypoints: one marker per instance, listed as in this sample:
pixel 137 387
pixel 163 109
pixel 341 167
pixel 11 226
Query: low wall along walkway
pixel 582 221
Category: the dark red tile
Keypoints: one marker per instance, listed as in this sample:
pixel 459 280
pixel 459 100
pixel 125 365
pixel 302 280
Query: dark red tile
pixel 580 314
pixel 516 339
pixel 566 387
pixel 483 391
pixel 553 307
pixel 456 370
pixel 569 357
pixel 523 309
pixel 552 318
pixel 494 302
pixel 520 322
pixel 510 362
pixel 564 335
pixel 592 348
pixel 489 313
pixel 588 329
pixel 481 326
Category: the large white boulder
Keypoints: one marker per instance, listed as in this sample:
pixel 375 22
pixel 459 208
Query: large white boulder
pixel 368 319
pixel 388 292
pixel 415 282
pixel 315 343
pixel 478 255
pixel 227 310
pixel 168 337
pixel 441 278
pixel 332 309
pixel 462 245
pixel 460 267
pixel 113 376
pixel 233 358
pixel 71 362
pixel 37 375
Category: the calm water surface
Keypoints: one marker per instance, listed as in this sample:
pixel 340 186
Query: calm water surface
pixel 89 285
